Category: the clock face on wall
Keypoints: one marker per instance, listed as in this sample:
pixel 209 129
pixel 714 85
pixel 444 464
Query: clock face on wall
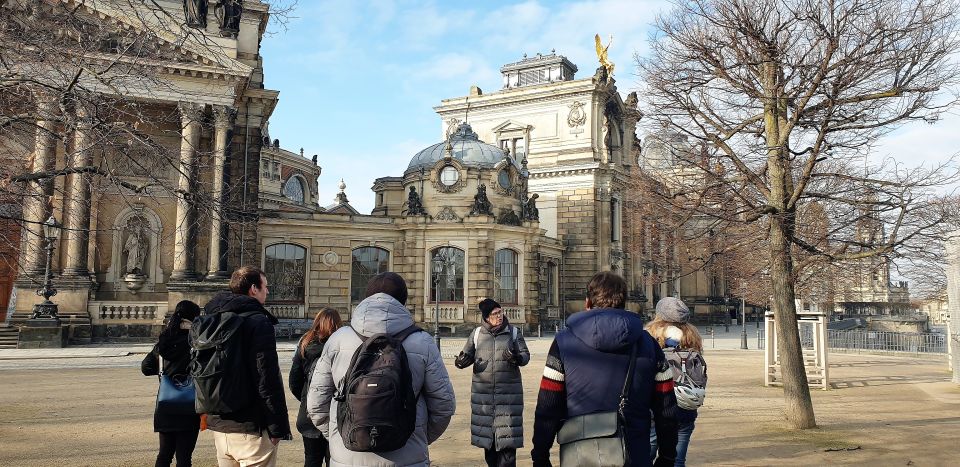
pixel 504 179
pixel 449 175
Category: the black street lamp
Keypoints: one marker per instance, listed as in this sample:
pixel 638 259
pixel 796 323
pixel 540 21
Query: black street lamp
pixel 439 267
pixel 743 324
pixel 47 310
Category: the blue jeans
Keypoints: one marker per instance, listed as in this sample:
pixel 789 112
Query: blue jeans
pixel 684 432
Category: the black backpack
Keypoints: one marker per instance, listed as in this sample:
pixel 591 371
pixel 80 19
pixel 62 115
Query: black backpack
pixel 377 409
pixel 220 376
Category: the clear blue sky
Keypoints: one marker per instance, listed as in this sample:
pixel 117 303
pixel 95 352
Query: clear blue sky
pixel 358 80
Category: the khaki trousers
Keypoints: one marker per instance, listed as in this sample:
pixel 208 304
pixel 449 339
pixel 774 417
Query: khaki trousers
pixel 245 450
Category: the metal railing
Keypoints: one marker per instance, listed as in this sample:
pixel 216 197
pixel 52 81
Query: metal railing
pixel 885 341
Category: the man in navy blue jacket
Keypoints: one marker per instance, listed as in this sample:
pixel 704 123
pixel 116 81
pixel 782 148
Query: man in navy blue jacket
pixel 582 376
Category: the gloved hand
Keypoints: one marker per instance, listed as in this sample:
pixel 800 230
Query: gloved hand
pixel 509 356
pixel 463 360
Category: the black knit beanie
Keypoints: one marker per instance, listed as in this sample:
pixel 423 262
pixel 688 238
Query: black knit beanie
pixel 487 305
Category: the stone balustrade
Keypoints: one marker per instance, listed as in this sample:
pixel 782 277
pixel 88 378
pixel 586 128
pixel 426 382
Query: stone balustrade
pixel 515 314
pixel 448 313
pixel 287 311
pixel 117 310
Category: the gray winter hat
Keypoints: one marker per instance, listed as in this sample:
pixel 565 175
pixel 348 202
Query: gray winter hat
pixel 673 310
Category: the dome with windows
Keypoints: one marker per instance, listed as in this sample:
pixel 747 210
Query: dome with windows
pixel 465 147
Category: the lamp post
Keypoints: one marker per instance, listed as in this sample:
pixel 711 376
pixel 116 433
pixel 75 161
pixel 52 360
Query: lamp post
pixel 743 324
pixel 439 267
pixel 47 310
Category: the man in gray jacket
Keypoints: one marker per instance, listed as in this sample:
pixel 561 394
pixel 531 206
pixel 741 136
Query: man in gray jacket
pixel 383 311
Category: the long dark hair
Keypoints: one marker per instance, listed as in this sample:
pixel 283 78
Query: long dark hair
pixel 185 310
pixel 325 323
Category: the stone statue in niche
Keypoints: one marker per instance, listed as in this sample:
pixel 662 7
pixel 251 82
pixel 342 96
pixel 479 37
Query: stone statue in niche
pixel 135 247
pixel 414 205
pixel 481 205
pixel 509 217
pixel 229 13
pixel 530 211
pixel 195 12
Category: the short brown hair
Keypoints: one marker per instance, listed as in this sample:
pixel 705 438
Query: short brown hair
pixel 389 283
pixel 607 290
pixel 245 277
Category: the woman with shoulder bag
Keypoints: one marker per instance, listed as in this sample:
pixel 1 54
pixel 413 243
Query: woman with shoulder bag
pixel 305 359
pixel 170 358
pixel 497 351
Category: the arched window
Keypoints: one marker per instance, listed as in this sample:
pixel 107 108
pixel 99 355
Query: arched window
pixel 367 262
pixel 505 277
pixel 446 264
pixel 294 189
pixel 285 265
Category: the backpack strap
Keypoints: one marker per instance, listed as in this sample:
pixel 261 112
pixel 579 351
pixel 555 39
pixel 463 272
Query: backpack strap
pixel 476 338
pixel 400 336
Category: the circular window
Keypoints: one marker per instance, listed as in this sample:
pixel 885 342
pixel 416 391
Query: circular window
pixel 504 179
pixel 449 175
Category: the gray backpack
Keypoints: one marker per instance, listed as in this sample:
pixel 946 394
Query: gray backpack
pixel 689 367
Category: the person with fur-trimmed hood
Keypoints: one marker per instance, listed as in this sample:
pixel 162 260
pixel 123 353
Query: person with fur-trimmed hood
pixel 496 350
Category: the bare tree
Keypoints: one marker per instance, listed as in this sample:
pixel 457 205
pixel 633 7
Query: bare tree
pixel 786 100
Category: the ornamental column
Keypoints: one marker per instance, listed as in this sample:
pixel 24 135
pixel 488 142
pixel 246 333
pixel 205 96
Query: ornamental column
pixel 223 118
pixel 190 117
pixel 77 202
pixel 36 202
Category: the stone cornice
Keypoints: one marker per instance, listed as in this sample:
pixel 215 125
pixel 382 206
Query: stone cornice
pixel 510 97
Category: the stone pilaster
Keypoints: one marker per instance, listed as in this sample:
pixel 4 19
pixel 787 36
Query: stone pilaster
pixel 36 203
pixel 191 115
pixel 223 119
pixel 77 199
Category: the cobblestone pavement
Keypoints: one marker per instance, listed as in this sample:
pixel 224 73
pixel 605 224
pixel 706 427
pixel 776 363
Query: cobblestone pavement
pixel 95 409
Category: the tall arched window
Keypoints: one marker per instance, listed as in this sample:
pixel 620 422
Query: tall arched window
pixel 505 277
pixel 285 265
pixel 446 264
pixel 294 189
pixel 367 262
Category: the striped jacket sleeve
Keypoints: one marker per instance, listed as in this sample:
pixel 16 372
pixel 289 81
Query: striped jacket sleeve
pixel 664 407
pixel 551 407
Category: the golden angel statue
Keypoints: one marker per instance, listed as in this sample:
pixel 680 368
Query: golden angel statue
pixel 602 54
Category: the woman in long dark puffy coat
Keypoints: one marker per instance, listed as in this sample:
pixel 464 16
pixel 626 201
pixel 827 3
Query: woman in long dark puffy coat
pixel 305 358
pixel 178 432
pixel 497 351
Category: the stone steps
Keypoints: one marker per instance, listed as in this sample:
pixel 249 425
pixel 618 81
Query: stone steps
pixel 9 337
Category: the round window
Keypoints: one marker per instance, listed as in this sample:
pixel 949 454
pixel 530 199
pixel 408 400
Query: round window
pixel 449 175
pixel 504 179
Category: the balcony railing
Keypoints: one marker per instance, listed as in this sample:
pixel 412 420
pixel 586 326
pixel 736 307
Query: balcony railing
pixel 117 310
pixel 287 311
pixel 448 313
pixel 515 314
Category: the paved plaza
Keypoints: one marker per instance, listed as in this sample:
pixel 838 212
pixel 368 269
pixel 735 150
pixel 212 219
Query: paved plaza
pixel 91 407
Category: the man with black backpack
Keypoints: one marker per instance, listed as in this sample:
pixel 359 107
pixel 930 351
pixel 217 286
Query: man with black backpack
pixel 238 381
pixel 380 393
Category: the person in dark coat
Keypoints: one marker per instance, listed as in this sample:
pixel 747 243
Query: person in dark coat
pixel 249 436
pixel 178 432
pixel 585 371
pixel 325 323
pixel 497 351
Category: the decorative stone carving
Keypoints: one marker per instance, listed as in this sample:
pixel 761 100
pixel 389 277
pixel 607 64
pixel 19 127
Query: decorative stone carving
pixel 452 125
pixel 447 215
pixel 481 205
pixel 509 217
pixel 195 13
pixel 577 116
pixel 530 211
pixel 136 246
pixel 414 205
pixel 330 258
pixel 229 12
pixel 223 116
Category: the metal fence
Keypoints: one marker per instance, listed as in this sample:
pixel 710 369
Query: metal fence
pixel 873 340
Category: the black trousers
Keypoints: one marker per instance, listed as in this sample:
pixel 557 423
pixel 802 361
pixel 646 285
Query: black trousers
pixel 179 443
pixel 315 452
pixel 506 457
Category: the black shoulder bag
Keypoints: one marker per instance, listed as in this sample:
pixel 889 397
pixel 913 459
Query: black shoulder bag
pixel 598 439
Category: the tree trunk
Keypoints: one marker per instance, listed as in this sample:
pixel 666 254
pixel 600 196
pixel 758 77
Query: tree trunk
pixel 796 390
